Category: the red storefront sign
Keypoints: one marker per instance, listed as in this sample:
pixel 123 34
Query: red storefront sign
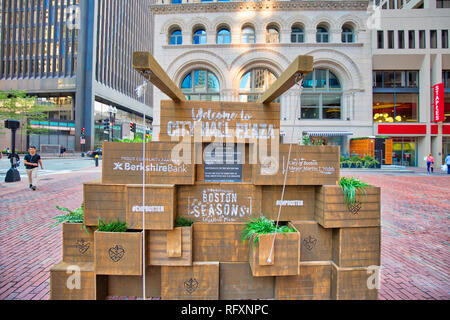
pixel 418 129
pixel 438 102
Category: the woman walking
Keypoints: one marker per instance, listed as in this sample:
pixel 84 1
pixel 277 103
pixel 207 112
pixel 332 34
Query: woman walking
pixel 430 163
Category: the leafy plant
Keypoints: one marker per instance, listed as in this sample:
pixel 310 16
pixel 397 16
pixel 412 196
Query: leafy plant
pixel 72 216
pixel 351 186
pixel 115 226
pixel 135 140
pixel 306 141
pixel 257 227
pixel 183 222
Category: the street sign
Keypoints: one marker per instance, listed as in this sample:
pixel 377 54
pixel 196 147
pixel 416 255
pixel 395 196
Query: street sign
pixel 82 141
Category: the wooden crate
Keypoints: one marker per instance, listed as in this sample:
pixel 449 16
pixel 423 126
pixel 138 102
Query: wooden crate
pixel 118 253
pixel 170 248
pixel 332 212
pixel 285 256
pixel 219 242
pixel 309 165
pixel 357 247
pixel 315 241
pixel 78 246
pixel 298 202
pixel 197 282
pixel 122 164
pixel 313 283
pixel 238 283
pixel 351 284
pixel 219 202
pixel 131 286
pixel 64 283
pixel 160 207
pixel 104 201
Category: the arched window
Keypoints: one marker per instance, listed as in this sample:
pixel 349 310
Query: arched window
pixel 322 95
pixel 248 35
pixel 348 34
pixel 201 85
pixel 297 34
pixel 272 34
pixel 224 36
pixel 199 36
pixel 322 34
pixel 254 83
pixel 176 37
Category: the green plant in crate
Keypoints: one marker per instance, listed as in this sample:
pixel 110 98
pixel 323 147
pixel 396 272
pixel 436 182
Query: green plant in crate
pixel 257 227
pixel 135 140
pixel 115 226
pixel 72 216
pixel 183 222
pixel 351 186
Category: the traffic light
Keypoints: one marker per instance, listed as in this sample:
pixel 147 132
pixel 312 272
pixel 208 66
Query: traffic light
pixel 83 131
pixel 133 127
pixel 106 124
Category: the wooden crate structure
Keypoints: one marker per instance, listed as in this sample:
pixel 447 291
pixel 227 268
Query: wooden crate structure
pixel 315 241
pixel 69 281
pixel 131 286
pixel 197 282
pixel 118 253
pixel 352 284
pixel 170 248
pixel 357 247
pixel 160 207
pixel 312 283
pixel 298 203
pixel 285 255
pixel 332 212
pixel 78 245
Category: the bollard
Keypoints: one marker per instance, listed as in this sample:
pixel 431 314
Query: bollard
pixel 96 160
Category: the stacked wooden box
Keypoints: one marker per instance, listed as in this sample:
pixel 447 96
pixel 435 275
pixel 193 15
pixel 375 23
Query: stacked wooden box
pixel 327 258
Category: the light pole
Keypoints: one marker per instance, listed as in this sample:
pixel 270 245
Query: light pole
pixel 13 174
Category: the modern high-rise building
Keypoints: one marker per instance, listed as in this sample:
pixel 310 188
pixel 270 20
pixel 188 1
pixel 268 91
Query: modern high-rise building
pixel 76 57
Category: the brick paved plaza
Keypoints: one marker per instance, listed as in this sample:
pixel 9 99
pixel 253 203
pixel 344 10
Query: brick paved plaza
pixel 415 234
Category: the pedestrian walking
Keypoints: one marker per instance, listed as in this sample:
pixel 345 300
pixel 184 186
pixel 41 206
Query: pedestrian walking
pixel 430 163
pixel 32 161
pixel 447 162
pixel 62 151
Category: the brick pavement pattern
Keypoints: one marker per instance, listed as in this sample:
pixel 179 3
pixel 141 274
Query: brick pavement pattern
pixel 415 234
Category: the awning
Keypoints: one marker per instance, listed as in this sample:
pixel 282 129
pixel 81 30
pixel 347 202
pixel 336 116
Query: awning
pixel 327 133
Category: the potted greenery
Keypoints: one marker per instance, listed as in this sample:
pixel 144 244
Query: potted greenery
pixel 78 240
pixel 172 247
pixel 284 259
pixel 118 251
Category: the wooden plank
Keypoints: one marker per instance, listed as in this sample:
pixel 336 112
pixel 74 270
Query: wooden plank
pixel 157 248
pixel 316 241
pixel 173 246
pixel 198 282
pixel 286 256
pixel 312 283
pixel 106 202
pixel 78 246
pixel 131 286
pixel 219 202
pixel 118 253
pixel 160 207
pixel 351 284
pixel 150 69
pixel 357 247
pixel 219 242
pixel 266 254
pixel 238 283
pixel 308 165
pixel 298 69
pixel 298 202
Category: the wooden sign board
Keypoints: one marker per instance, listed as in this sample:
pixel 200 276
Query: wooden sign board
pixel 122 163
pixel 309 165
pixel 298 202
pixel 235 120
pixel 219 202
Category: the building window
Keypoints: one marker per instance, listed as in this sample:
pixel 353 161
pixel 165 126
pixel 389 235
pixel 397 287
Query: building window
pixel 446 79
pixel 272 34
pixel 401 39
pixel 224 36
pixel 395 79
pixel 176 37
pixel 201 85
pixel 404 152
pixel 440 4
pixel 348 35
pixel 322 35
pixel 395 107
pixel 176 1
pixel 444 36
pixel 199 36
pixel 297 34
pixel 412 39
pixel 422 40
pixel 248 35
pixel 433 39
pixel 322 95
pixel 254 83
pixel 447 106
pixel 390 39
pixel 380 39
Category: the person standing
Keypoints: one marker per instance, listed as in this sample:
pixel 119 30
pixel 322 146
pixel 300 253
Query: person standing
pixel 32 161
pixel 430 163
pixel 447 162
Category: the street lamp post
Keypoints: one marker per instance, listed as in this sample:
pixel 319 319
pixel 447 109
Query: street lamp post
pixel 13 174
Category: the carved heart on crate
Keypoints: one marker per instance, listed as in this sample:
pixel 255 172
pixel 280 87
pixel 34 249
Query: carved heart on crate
pixel 310 243
pixel 116 253
pixel 83 246
pixel 355 208
pixel 191 285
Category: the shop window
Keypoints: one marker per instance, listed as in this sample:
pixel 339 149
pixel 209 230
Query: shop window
pixel 404 152
pixel 395 107
pixel 201 85
pixel 447 107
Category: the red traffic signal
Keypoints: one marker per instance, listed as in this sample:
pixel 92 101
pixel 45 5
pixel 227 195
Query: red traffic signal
pixel 83 131
pixel 133 127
